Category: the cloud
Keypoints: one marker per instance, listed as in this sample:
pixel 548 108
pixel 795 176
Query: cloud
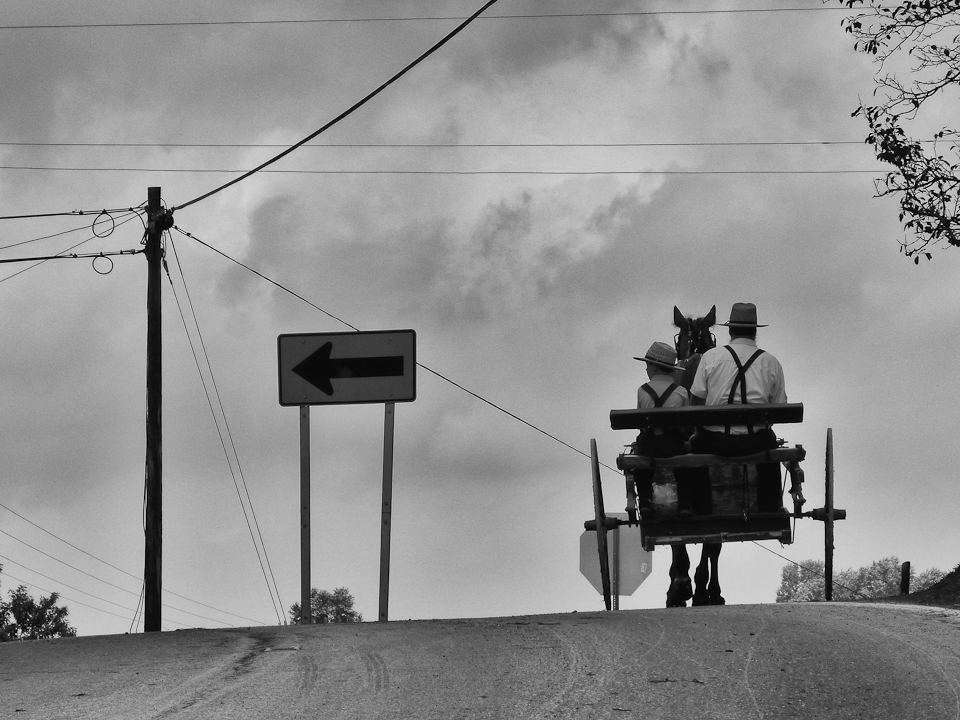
pixel 524 47
pixel 519 246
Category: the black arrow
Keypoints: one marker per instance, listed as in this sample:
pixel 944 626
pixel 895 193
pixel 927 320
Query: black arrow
pixel 319 369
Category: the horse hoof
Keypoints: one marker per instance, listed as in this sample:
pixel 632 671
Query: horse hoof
pixel 700 599
pixel 718 600
pixel 681 589
pixel 672 603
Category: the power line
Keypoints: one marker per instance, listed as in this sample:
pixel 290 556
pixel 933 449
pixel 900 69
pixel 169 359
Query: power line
pixel 57 537
pixel 421 365
pixel 114 567
pixel 72 256
pixel 63 597
pixel 64 562
pixel 246 174
pixel 111 602
pixel 346 112
pixel 43 237
pixel 60 582
pixel 811 571
pixel 733 143
pixel 223 442
pixel 93 226
pixel 83 572
pixel 78 213
pixel 95 236
pixel 414 18
pixel 264 277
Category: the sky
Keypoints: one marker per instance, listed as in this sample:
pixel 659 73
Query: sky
pixel 533 200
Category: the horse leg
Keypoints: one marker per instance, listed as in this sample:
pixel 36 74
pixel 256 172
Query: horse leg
pixel 701 595
pixel 680 589
pixel 715 597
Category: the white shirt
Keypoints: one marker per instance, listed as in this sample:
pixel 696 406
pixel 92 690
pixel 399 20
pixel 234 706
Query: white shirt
pixel 659 383
pixel 717 371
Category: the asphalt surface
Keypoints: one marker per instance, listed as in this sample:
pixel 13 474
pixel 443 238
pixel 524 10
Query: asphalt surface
pixel 750 661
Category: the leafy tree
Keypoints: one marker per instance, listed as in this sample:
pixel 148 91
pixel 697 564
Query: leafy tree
pixel 23 618
pixel 924 35
pixel 327 607
pixel 880 579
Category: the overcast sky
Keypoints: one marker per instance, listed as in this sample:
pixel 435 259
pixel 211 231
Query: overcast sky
pixel 533 200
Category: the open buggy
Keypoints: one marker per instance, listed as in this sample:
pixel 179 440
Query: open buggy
pixel 733 512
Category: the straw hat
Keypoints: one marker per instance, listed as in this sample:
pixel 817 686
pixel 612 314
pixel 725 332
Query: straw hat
pixel 660 354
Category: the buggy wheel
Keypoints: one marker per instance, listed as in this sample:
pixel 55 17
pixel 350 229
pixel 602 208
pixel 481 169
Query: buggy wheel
pixel 828 521
pixel 601 519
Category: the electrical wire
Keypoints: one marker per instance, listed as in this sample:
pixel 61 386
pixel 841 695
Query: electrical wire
pixel 138 612
pixel 44 237
pixel 420 18
pixel 60 582
pixel 72 256
pixel 346 112
pixel 812 571
pixel 77 213
pixel 757 143
pixel 14 512
pixel 114 567
pixel 64 562
pixel 264 277
pixel 62 597
pixel 170 607
pixel 92 227
pixel 132 216
pixel 229 440
pixel 245 174
pixel 419 364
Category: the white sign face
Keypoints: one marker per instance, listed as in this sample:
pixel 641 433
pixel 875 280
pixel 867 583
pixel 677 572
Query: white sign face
pixel 635 562
pixel 347 368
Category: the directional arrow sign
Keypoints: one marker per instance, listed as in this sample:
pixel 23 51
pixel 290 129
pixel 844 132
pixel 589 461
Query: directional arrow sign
pixel 342 368
pixel 319 369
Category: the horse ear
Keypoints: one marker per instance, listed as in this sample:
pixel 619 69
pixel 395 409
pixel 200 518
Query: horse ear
pixel 678 317
pixel 712 316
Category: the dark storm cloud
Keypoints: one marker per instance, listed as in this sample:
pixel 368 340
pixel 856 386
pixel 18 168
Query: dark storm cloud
pixel 525 46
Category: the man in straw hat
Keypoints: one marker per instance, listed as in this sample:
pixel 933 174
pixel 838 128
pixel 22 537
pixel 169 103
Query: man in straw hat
pixel 741 373
pixel 661 391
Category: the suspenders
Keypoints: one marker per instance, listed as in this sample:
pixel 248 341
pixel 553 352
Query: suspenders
pixel 658 400
pixel 741 380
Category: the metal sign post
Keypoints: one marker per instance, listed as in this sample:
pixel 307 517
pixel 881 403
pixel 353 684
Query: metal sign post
pixel 306 616
pixel 385 511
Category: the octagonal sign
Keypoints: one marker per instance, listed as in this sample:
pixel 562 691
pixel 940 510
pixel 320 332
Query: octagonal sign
pixel 635 562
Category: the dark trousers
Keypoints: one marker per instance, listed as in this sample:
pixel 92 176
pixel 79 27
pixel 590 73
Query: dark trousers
pixel 690 484
pixel 769 492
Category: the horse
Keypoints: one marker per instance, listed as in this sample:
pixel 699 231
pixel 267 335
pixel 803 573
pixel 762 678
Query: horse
pixel 692 340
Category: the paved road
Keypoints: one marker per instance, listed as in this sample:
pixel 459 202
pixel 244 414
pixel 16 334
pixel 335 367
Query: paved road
pixel 749 661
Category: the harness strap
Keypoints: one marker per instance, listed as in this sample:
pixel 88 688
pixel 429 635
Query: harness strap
pixel 741 380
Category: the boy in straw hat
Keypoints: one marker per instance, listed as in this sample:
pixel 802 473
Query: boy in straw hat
pixel 660 391
pixel 741 373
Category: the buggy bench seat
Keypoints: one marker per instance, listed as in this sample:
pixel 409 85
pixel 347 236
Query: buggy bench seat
pixel 776 455
pixel 700 415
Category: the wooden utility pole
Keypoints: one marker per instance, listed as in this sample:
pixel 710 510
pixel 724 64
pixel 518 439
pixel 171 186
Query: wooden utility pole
pixel 157 222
